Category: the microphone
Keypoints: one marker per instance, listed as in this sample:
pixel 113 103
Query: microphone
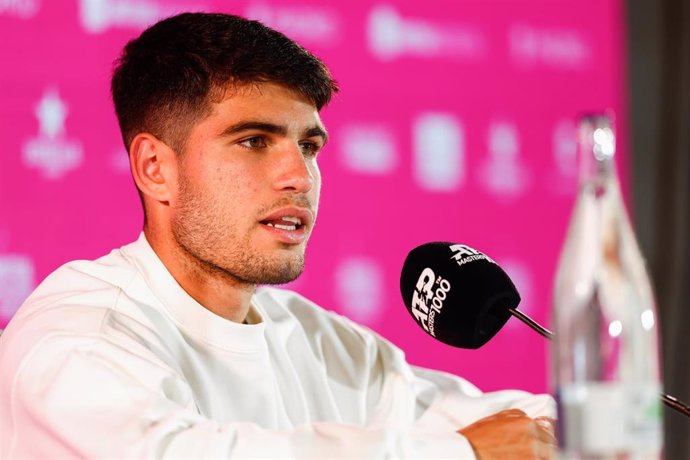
pixel 481 295
pixel 462 298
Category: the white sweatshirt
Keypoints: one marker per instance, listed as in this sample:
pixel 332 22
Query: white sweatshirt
pixel 113 359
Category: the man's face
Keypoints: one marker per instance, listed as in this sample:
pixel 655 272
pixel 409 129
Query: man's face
pixel 249 185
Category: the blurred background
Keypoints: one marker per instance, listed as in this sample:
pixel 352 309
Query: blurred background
pixel 456 121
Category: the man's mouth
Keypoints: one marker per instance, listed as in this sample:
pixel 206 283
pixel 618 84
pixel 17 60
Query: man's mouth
pixel 285 223
pixel 289 225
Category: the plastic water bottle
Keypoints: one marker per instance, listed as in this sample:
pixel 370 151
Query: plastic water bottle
pixel 605 358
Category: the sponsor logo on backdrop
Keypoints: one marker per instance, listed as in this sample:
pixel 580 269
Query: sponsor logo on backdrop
pixel 359 288
pixel 439 152
pixel 550 47
pixel 368 149
pixel 563 176
pixel 16 282
pixel 308 24
pixel 51 152
pixel 99 15
pixel 564 143
pixel 503 173
pixel 24 9
pixel 391 35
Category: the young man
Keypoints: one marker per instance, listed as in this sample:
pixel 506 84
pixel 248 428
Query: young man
pixel 166 348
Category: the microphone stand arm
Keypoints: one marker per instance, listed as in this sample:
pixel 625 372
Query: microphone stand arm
pixel 531 323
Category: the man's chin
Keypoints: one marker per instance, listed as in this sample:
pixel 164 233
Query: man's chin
pixel 286 276
pixel 278 272
pixel 276 280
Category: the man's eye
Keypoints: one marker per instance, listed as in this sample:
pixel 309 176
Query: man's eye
pixel 256 142
pixel 309 148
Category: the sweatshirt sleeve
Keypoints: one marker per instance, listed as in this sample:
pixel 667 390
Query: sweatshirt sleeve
pixel 442 401
pixel 84 396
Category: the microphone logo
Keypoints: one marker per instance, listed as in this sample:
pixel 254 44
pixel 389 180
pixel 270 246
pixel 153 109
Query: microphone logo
pixel 465 254
pixel 427 302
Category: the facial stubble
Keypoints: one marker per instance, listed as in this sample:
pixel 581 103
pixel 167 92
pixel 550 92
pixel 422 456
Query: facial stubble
pixel 215 244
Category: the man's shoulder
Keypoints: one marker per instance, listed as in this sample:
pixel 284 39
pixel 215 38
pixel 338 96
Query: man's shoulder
pixel 85 304
pixel 88 283
pixel 283 306
pixel 78 297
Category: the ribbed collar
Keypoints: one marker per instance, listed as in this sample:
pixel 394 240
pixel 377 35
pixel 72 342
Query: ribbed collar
pixel 189 315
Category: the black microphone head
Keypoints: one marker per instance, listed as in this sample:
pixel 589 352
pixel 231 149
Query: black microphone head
pixel 456 294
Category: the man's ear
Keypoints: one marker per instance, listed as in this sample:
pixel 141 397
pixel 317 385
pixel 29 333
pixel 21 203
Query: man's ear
pixel 154 167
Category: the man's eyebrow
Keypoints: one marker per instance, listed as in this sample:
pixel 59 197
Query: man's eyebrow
pixel 316 131
pixel 254 125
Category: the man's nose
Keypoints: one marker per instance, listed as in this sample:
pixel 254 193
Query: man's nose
pixel 293 172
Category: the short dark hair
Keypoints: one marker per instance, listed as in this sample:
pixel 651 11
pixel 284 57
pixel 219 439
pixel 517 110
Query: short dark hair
pixel 165 79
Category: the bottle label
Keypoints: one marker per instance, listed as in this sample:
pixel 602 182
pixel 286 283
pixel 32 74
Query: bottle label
pixel 610 417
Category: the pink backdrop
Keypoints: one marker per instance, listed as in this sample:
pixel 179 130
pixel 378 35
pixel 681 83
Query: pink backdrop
pixel 455 122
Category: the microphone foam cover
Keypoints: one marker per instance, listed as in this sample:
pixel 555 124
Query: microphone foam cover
pixel 456 294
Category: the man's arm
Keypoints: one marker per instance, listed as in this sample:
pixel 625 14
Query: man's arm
pixel 86 403
pixel 430 401
pixel 88 394
pixel 85 397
